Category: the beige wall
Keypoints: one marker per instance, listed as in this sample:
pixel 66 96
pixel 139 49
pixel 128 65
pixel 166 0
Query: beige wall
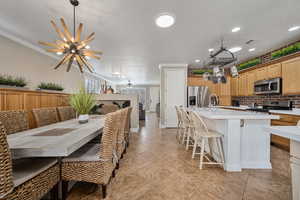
pixel 16 59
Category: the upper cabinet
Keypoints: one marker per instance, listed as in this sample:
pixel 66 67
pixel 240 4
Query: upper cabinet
pixel 274 71
pixel 234 86
pixel 251 78
pixel 290 77
pixel 261 73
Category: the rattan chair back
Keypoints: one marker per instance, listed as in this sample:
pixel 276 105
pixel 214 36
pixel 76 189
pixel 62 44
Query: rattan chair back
pixel 6 180
pixel 14 121
pixel 66 113
pixel 45 116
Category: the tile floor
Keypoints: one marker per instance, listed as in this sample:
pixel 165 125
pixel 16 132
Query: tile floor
pixel 156 167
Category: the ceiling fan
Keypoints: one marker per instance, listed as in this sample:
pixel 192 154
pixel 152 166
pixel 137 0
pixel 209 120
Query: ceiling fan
pixel 72 47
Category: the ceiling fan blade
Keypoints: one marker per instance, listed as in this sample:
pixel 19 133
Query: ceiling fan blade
pixel 63 61
pixel 70 63
pixel 89 66
pixel 92 52
pixel 55 50
pixel 49 44
pixel 79 62
pixel 66 30
pixel 78 33
pixel 61 35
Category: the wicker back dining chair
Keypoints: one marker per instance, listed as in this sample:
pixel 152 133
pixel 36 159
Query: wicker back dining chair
pixel 14 121
pixel 121 142
pixel 66 113
pixel 203 134
pixel 25 179
pixel 127 126
pixel 108 108
pixel 94 163
pixel 45 116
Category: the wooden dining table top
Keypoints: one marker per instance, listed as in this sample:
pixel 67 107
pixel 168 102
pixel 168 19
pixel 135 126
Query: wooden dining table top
pixel 56 140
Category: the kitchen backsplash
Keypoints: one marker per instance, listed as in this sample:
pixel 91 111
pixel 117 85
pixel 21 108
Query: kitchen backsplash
pixel 248 100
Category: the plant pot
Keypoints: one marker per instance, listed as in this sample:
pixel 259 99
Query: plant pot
pixel 82 119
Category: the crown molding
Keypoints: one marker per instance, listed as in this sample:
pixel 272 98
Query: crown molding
pixel 42 51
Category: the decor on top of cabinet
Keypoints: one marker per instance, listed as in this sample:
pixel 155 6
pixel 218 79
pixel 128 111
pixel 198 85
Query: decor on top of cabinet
pixel 286 51
pixel 249 64
pixel 50 86
pixel 83 102
pixel 10 81
pixel 71 46
pixel 200 71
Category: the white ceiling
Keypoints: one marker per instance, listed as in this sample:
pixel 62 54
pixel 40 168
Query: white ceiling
pixel 134 46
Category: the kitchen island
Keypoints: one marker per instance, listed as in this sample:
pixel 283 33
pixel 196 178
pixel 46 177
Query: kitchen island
pixel 246 144
pixel 292 133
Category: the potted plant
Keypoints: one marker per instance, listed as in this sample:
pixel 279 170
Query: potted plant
pixel 50 86
pixel 10 81
pixel 83 103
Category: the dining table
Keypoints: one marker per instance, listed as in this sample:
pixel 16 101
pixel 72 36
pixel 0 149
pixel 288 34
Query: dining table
pixel 56 140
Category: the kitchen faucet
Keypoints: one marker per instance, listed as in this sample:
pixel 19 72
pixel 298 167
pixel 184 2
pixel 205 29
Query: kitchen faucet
pixel 213 100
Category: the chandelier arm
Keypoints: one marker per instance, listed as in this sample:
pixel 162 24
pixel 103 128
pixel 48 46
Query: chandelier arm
pixel 63 61
pixel 70 63
pixel 89 66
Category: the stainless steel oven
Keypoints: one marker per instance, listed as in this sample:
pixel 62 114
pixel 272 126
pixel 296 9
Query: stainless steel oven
pixel 271 86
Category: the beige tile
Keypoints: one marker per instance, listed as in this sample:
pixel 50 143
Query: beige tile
pixel 156 167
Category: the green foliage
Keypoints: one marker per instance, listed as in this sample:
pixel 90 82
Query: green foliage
pixel 12 81
pixel 82 102
pixel 201 71
pixel 249 63
pixel 286 51
pixel 50 86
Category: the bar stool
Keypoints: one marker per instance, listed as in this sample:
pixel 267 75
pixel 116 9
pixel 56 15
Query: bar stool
pixel 187 129
pixel 179 124
pixel 201 136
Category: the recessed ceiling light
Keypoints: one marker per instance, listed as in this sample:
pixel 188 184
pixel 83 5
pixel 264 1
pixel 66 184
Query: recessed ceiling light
pixel 294 28
pixel 252 49
pixel 210 50
pixel 235 49
pixel 236 29
pixel 165 20
pixel 197 60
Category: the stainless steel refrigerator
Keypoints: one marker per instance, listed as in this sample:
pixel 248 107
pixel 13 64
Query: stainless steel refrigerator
pixel 198 96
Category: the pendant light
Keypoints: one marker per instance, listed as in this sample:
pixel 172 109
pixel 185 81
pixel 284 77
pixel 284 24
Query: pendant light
pixel 71 46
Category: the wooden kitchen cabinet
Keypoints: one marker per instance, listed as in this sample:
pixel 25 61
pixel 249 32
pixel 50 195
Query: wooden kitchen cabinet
pixel 291 77
pixel 243 87
pixel 261 73
pixel 274 71
pixel 251 78
pixel 234 88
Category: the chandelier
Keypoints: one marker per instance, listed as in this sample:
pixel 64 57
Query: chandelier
pixel 71 46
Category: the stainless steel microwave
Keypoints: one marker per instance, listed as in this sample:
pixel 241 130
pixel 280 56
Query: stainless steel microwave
pixel 271 86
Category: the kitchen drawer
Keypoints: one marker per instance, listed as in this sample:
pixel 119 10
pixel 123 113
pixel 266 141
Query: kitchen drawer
pixel 282 123
pixel 280 142
pixel 289 118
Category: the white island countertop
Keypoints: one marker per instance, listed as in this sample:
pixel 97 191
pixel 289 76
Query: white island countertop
pixel 218 113
pixel 290 132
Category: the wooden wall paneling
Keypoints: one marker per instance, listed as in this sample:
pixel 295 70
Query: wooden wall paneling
pixel 32 101
pixel 234 88
pixel 2 94
pixel 14 100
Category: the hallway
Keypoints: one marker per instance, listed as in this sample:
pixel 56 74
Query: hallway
pixel 156 167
